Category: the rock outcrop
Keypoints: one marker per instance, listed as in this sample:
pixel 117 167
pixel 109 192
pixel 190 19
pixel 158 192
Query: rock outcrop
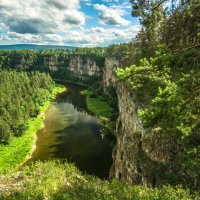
pixel 109 77
pixel 79 65
pixel 141 157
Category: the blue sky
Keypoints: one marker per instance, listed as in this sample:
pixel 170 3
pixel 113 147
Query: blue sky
pixel 67 22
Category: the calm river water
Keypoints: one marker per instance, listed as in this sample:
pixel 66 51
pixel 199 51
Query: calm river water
pixel 71 132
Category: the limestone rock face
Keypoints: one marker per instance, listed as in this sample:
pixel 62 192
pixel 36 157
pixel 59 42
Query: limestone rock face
pixel 52 63
pixel 139 157
pixel 129 130
pixel 109 77
pixel 81 65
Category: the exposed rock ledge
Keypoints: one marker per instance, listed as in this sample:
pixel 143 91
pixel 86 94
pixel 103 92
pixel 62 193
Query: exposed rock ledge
pixel 139 157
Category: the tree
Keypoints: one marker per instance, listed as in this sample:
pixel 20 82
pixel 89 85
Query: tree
pixel 5 132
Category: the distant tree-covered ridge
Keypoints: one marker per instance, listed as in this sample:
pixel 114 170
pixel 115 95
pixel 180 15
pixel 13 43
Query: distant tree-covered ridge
pixel 22 94
pixel 37 59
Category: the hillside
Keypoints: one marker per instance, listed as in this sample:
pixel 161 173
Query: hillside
pixel 53 180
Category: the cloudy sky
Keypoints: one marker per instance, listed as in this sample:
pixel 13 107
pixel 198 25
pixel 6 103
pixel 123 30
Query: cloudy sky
pixel 66 22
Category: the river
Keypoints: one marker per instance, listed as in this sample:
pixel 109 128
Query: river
pixel 74 134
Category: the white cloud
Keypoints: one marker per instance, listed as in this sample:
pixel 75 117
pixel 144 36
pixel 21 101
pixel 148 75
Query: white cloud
pixel 111 16
pixel 81 37
pixel 74 17
pixel 87 2
pixel 110 1
pixel 40 16
pixel 62 22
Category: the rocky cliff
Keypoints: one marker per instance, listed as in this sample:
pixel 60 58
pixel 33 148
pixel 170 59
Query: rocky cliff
pixel 109 77
pixel 80 66
pixel 141 157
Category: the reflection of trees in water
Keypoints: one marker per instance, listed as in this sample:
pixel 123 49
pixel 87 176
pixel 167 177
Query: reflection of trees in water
pixel 74 97
pixel 82 144
pixel 78 139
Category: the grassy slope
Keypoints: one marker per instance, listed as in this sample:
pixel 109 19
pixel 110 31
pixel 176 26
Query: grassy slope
pixel 101 108
pixel 18 150
pixel 64 181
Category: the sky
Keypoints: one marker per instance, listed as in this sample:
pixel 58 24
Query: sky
pixel 80 23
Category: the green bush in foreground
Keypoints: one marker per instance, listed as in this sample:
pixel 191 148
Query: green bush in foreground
pixel 53 180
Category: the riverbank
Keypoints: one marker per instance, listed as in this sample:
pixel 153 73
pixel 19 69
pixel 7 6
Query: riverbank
pixel 20 148
pixel 100 107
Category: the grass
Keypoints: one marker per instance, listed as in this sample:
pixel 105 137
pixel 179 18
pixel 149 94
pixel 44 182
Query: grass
pixel 99 106
pixel 19 148
pixel 56 181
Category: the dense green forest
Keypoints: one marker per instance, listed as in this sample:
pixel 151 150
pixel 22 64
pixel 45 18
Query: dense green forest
pixel 160 67
pixel 29 60
pixel 22 95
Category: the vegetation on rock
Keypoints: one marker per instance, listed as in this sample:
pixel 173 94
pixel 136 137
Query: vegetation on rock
pixel 164 79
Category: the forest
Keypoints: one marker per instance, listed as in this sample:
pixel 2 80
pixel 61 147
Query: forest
pixel 22 95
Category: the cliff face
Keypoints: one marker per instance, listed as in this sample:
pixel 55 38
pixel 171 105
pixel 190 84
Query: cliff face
pixel 109 77
pixel 80 66
pixel 139 157
pixel 129 130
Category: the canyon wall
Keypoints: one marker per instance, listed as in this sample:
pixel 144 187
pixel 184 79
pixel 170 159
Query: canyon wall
pixel 140 157
pixel 74 65
pixel 109 77
pixel 81 65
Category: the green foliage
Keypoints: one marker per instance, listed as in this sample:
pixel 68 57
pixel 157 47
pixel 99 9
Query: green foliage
pixel 98 105
pixel 101 107
pixel 53 180
pixel 93 51
pixel 19 148
pixel 166 90
pixel 22 94
pixel 4 132
pixel 160 88
pixel 172 23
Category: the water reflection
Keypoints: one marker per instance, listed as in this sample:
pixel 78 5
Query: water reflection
pixel 72 133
